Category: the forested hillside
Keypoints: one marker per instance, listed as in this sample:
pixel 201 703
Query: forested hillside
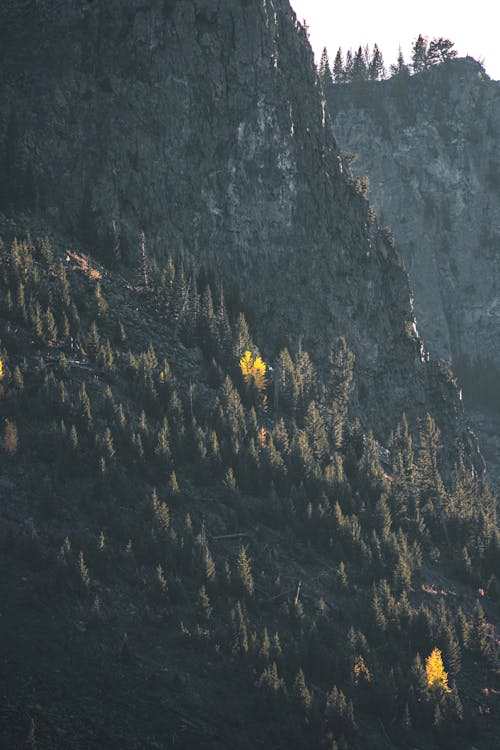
pixel 197 551
pixel 240 503
pixel 202 124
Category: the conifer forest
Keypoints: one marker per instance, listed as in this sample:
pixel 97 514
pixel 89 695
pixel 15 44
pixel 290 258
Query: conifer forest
pixel 243 504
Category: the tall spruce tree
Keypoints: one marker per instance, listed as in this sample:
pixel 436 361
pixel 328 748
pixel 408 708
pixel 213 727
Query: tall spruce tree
pixel 338 67
pixel 325 73
pixel 419 54
pixel 376 68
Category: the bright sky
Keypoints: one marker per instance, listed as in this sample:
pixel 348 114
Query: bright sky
pixel 336 23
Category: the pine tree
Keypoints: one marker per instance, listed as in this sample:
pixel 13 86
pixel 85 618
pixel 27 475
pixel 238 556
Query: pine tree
pixel 240 629
pixel 325 73
pixel 450 648
pixel 338 67
pixel 479 635
pixel 431 488
pixel 419 677
pixel 456 704
pixel 161 581
pixel 348 67
pixel 83 571
pixel 265 649
pixel 173 485
pixel 340 377
pixel 50 326
pixel 463 628
pixel 84 404
pixel 270 683
pixel 316 431
pixel 100 302
pixel 161 512
pixel 376 69
pixel 204 603
pixel 341 576
pixel 419 56
pixel 302 692
pixel 208 564
pixel 440 50
pixel 359 72
pixel 245 571
pixel 400 68
pixel 242 341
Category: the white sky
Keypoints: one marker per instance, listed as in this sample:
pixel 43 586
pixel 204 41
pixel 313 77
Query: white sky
pixel 335 23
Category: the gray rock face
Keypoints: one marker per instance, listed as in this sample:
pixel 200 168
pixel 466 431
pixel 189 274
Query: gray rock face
pixel 431 149
pixel 202 122
pixel 430 146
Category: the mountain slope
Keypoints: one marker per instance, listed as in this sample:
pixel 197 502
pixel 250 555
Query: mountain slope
pixel 184 565
pixel 201 123
pixel 199 549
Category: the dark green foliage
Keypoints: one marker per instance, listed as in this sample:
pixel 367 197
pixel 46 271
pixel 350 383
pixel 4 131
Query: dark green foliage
pixel 338 67
pixel 419 57
pixel 325 73
pixel 376 68
pixel 440 50
pixel 172 507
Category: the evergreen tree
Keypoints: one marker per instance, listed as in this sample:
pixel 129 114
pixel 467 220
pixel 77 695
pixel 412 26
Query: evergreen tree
pixel 400 69
pixel 431 488
pixel 479 635
pixel 440 50
pixel 419 56
pixel 376 68
pixel 316 431
pixel 338 67
pixel 348 67
pixel 208 564
pixel 302 692
pixel 265 649
pixel 240 628
pixel 245 571
pixel 204 603
pixel 359 71
pixel 325 73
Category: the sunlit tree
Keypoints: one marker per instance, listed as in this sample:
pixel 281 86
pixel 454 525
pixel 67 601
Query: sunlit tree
pixel 434 671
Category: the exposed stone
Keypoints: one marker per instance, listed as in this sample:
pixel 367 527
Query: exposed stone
pixel 430 147
pixel 201 121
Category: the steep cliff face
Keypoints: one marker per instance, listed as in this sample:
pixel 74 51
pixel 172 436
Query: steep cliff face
pixel 430 146
pixel 201 121
pixel 431 149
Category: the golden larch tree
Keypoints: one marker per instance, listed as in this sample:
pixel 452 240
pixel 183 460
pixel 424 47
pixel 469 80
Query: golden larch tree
pixel 434 671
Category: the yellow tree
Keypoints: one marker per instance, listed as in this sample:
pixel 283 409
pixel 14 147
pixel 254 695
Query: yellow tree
pixel 253 368
pixel 434 671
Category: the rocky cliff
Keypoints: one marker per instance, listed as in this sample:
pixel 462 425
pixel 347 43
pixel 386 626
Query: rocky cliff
pixel 430 145
pixel 201 122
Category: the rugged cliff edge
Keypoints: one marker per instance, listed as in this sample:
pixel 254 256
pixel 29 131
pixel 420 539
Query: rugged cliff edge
pixel 202 123
pixel 430 145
